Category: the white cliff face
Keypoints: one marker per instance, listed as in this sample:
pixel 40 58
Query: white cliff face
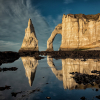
pixel 78 31
pixel 30 65
pixel 30 42
pixel 71 65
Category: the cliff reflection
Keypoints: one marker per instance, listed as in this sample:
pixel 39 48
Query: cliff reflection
pixel 71 65
pixel 30 65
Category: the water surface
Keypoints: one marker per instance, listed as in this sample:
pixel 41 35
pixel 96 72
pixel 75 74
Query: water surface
pixel 49 79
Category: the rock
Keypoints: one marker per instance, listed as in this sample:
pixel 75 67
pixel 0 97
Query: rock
pixel 78 31
pixel 96 90
pixel 28 92
pixel 83 98
pixel 98 96
pixel 15 93
pixel 30 42
pixel 8 57
pixel 57 30
pixel 5 88
pixel 48 97
pixel 8 69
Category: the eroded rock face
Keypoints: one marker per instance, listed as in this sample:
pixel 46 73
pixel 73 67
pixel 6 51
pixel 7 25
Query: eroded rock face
pixel 30 42
pixel 78 31
pixel 57 30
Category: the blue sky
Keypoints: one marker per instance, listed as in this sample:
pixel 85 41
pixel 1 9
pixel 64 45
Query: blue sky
pixel 45 15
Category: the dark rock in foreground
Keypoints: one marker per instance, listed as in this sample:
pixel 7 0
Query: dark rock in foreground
pixel 72 54
pixel 86 78
pixel 28 92
pixel 8 57
pixel 5 88
pixel 8 69
pixel 98 96
pixel 83 98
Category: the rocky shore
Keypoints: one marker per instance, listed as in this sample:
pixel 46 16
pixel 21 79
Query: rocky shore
pixel 9 56
pixel 93 54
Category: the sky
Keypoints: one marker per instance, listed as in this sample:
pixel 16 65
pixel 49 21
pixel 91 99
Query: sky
pixel 45 16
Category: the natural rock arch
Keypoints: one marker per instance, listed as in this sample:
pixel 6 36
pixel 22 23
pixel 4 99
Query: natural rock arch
pixel 57 30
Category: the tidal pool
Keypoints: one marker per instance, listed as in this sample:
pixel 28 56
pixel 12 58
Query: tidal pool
pixel 50 79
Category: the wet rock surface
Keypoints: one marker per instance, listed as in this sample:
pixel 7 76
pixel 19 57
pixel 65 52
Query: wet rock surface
pixel 98 96
pixel 28 92
pixel 83 98
pixel 8 57
pixel 34 54
pixel 48 97
pixel 28 53
pixel 86 79
pixel 5 88
pixel 72 54
pixel 8 69
pixel 15 93
pixel 93 54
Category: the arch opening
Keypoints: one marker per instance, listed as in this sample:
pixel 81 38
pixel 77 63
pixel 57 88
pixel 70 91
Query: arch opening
pixel 57 42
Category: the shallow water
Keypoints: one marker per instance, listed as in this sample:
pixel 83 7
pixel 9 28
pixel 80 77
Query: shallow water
pixel 48 79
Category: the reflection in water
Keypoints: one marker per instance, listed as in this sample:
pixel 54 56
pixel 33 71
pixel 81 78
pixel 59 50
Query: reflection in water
pixel 30 65
pixel 71 65
pixel 58 73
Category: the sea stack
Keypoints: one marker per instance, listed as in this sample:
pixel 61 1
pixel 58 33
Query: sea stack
pixel 30 42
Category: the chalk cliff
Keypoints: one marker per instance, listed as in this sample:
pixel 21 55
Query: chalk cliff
pixel 78 31
pixel 30 42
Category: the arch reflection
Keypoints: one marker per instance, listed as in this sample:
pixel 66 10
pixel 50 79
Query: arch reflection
pixel 70 65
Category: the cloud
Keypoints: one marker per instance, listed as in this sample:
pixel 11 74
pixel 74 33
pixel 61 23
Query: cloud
pixel 68 1
pixel 14 16
pixel 7 45
pixel 53 22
